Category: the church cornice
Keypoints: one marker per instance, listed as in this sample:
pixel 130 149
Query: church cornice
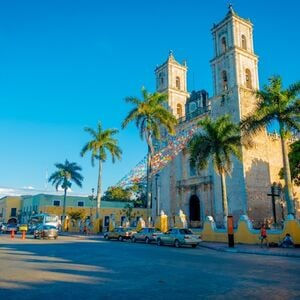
pixel 187 183
pixel 172 61
pixel 178 92
pixel 231 16
pixel 233 51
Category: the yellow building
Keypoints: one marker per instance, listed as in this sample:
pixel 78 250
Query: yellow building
pixel 85 206
pixel 10 208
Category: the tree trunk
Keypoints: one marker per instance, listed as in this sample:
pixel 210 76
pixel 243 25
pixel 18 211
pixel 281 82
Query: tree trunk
pixel 287 174
pixel 224 195
pixel 64 208
pixel 148 188
pixel 99 190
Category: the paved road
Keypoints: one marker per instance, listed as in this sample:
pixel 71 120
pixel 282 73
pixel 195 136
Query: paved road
pixel 87 268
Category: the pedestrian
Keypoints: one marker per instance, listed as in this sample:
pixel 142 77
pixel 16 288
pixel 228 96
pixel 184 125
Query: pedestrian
pixel 287 241
pixel 263 236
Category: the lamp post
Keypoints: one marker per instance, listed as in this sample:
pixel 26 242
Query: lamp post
pixel 156 198
pixel 92 198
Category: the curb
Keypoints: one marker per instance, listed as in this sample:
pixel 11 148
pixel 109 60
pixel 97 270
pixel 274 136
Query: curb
pixel 255 252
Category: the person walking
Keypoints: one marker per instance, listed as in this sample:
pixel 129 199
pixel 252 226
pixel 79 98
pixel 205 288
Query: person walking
pixel 263 236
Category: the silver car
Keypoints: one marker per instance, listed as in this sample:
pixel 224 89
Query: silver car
pixel 178 237
pixel 147 235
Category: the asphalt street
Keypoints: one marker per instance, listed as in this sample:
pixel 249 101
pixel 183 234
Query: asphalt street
pixel 92 268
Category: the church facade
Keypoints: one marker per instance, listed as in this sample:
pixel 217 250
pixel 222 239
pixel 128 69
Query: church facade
pixel 235 78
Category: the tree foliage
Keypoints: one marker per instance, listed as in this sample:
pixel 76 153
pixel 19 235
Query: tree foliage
pixel 150 116
pixel 102 142
pixel 218 141
pixel 63 177
pixel 294 159
pixel 276 104
pixel 134 194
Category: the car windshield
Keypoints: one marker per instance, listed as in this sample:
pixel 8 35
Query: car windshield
pixel 47 227
pixel 185 231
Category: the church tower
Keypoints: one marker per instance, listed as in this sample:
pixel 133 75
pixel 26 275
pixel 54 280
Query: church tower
pixel 171 79
pixel 235 79
pixel 234 66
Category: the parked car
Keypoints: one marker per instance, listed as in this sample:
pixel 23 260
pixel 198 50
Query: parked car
pixel 45 231
pixel 3 227
pixel 119 233
pixel 178 237
pixel 147 235
pixel 11 227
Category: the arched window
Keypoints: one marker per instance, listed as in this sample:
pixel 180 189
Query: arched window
pixel 161 79
pixel 178 82
pixel 224 44
pixel 248 79
pixel 224 80
pixel 179 110
pixel 244 42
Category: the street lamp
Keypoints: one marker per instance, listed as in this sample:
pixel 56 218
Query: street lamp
pixel 156 198
pixel 92 198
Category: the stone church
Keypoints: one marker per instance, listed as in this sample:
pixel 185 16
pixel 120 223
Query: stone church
pixel 235 77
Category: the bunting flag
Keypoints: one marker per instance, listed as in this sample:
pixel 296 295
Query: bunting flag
pixel 169 149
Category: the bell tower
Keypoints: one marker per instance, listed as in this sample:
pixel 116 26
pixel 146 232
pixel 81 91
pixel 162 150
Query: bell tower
pixel 171 79
pixel 235 80
pixel 234 66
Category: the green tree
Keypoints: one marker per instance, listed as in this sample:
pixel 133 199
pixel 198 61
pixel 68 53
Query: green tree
pixel 150 116
pixel 281 106
pixel 294 160
pixel 76 215
pixel 63 177
pixel 218 140
pixel 117 193
pixel 128 211
pixel 101 143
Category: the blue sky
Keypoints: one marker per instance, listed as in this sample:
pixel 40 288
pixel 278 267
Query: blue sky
pixel 65 65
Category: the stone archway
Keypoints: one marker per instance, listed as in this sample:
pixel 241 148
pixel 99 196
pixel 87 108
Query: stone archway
pixel 194 211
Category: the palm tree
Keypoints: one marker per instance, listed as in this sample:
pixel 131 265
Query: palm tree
pixel 219 140
pixel 281 106
pixel 102 141
pixel 150 116
pixel 67 172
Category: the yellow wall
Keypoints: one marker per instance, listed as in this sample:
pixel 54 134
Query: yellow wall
pixel 7 203
pixel 97 224
pixel 245 235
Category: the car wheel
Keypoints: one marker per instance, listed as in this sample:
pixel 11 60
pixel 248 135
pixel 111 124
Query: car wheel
pixel 194 246
pixel 120 238
pixel 176 244
pixel 159 243
pixel 147 241
pixel 34 237
pixel 133 239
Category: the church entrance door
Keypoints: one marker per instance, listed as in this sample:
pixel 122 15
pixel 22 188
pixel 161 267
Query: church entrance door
pixel 194 211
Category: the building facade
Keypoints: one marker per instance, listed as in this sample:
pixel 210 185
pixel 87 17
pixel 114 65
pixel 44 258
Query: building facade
pixel 21 208
pixel 235 79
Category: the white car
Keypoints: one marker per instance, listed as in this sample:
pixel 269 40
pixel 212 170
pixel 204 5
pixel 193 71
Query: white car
pixel 178 237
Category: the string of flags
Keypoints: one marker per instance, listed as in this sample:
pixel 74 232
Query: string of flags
pixel 170 148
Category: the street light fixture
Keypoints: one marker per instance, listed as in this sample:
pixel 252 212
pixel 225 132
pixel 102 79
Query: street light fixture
pixel 92 198
pixel 156 197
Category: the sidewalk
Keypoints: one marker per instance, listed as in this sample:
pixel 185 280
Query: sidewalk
pixel 252 249
pixel 223 247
